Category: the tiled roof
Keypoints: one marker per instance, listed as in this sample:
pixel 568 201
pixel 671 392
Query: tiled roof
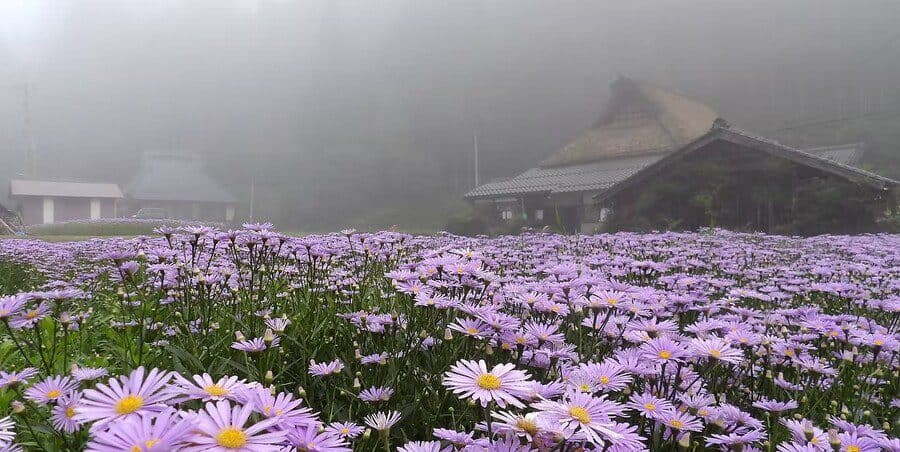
pixel 566 179
pixel 20 187
pixel 826 160
pixel 600 175
pixel 846 154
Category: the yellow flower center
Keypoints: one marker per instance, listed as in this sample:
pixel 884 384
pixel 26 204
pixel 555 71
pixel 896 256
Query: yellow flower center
pixel 527 426
pixel 31 315
pixel 604 379
pixel 789 352
pixel 345 431
pixel 580 414
pixel 488 381
pixel 650 406
pixel 471 331
pixel 702 412
pixel 853 448
pixel 585 388
pixel 664 354
pixel 129 404
pixel 53 393
pixel 231 438
pixel 675 423
pixel 215 390
pixel 147 444
pixel 70 412
pixel 612 301
pixel 879 343
pixel 715 353
pixel 4 312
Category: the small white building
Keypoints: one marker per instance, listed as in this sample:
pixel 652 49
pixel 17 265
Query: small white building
pixel 44 201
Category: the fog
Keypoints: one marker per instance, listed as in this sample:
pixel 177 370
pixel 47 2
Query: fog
pixel 363 113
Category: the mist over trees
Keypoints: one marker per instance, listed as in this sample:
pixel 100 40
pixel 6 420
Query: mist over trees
pixel 365 113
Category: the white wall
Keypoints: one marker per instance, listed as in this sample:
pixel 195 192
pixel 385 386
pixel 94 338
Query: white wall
pixel 95 209
pixel 48 210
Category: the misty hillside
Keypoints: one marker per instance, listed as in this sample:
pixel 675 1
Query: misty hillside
pixel 339 112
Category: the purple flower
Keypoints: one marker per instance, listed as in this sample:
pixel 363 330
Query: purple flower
pixel 63 414
pixel 308 439
pixel 590 416
pixel 503 384
pixel 125 397
pixel 325 369
pixel 420 446
pixel 376 394
pixel 221 427
pixel 205 389
pixel 663 350
pixel 166 430
pixel 382 421
pixel 49 390
pixel 347 430
pixel 13 379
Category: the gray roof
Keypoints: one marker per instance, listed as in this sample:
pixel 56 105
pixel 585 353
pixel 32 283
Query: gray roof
pixel 593 176
pixel 600 175
pixel 742 138
pixel 169 177
pixel 22 187
pixel 845 154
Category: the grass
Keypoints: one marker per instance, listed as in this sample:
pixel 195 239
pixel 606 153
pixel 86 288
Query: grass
pixel 106 227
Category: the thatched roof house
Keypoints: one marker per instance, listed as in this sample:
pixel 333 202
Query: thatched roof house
pixel 640 119
pixel 643 126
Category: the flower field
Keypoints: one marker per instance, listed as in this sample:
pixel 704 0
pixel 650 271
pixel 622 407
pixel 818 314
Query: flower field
pixel 198 339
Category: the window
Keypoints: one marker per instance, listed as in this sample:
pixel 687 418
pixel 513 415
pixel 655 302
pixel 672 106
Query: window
pixel 539 214
pixel 506 215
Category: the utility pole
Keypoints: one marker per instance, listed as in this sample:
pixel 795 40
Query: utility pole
pixel 252 190
pixel 476 158
pixel 30 167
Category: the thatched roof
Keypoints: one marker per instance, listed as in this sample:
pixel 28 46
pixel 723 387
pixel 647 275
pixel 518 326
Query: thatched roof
pixel 640 119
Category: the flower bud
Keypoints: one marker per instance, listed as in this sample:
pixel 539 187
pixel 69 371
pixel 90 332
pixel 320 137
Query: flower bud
pixel 269 376
pixel 17 406
pixel 833 439
pixel 685 441
pixel 239 336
